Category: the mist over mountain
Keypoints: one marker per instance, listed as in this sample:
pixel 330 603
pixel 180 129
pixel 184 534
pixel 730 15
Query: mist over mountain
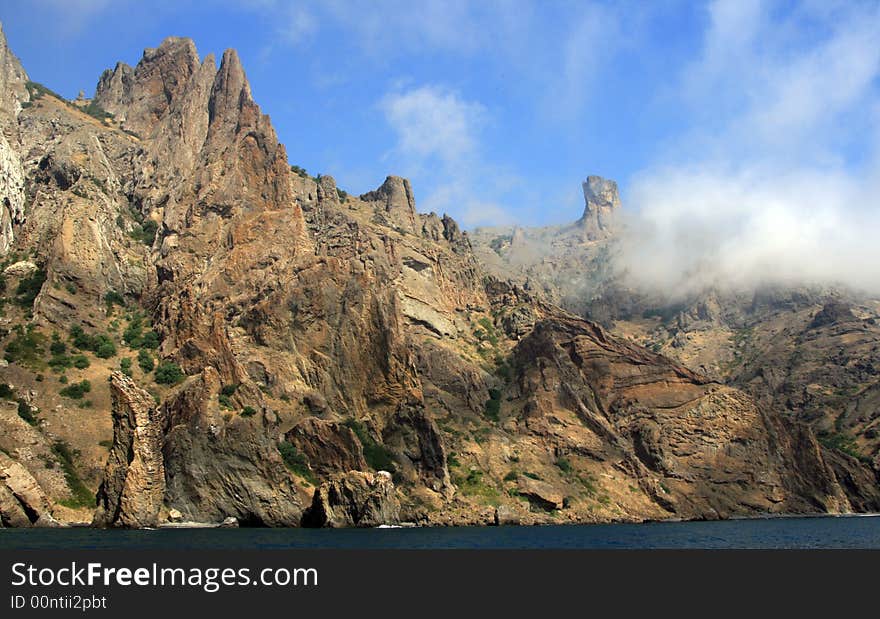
pixel 777 179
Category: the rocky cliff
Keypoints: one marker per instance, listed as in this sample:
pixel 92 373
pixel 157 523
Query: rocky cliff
pixel 807 352
pixel 283 353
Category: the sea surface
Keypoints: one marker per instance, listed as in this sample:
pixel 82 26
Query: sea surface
pixel 811 532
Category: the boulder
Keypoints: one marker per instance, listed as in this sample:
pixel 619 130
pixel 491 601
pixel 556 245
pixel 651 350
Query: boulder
pixel 506 515
pixel 22 268
pixel 540 493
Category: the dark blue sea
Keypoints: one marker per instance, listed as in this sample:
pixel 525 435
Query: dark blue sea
pixel 812 532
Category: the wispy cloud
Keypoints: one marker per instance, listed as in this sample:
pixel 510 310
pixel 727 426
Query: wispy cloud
pixel 432 121
pixel 297 24
pixel 560 50
pixel 75 15
pixel 591 39
pixel 438 143
pixel 776 179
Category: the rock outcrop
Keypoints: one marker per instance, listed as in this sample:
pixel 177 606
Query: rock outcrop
pixel 13 81
pixel 696 448
pixel 133 489
pixel 13 94
pixel 602 202
pixel 218 468
pixel 354 499
pixel 328 446
pixel 22 501
pixel 394 203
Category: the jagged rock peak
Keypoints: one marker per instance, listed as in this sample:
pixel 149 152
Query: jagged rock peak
pixel 141 96
pixel 396 202
pixel 13 78
pixel 114 87
pixel 231 89
pixel 601 200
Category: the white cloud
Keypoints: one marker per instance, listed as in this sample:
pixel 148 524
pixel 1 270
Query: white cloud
pixel 592 39
pixel 298 25
pixel 431 121
pixel 779 178
pixel 438 145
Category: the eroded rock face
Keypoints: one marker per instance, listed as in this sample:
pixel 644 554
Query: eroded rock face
pixel 601 204
pixel 22 501
pixel 699 449
pixel 218 468
pixel 12 193
pixel 141 97
pixel 354 499
pixel 13 79
pixel 133 489
pixel 329 446
pixel 395 203
pixel 13 93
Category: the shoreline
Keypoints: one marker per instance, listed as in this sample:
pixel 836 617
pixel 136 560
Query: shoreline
pixel 190 525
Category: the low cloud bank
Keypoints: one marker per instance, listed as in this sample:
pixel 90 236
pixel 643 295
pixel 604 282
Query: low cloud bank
pixel 692 228
pixel 777 178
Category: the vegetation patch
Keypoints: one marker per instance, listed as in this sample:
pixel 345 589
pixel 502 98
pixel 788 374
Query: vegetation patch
pixel 26 412
pixel 487 332
pixel 145 361
pixel 493 405
pixel 114 298
pixel 473 486
pixel 843 443
pixel 96 111
pixel 225 395
pixel 135 337
pixel 379 457
pixel 77 390
pixel 564 465
pixel 100 344
pixel 81 496
pixel 168 373
pixel 29 287
pixel 296 462
pixel 145 232
pixel 26 348
pixel 37 91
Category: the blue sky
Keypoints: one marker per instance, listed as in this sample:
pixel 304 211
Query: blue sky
pixel 498 110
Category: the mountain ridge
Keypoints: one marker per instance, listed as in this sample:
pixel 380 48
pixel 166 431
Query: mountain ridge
pixel 285 332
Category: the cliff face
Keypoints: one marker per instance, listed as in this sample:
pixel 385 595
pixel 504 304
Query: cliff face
pixel 343 353
pixel 807 352
pixel 13 95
